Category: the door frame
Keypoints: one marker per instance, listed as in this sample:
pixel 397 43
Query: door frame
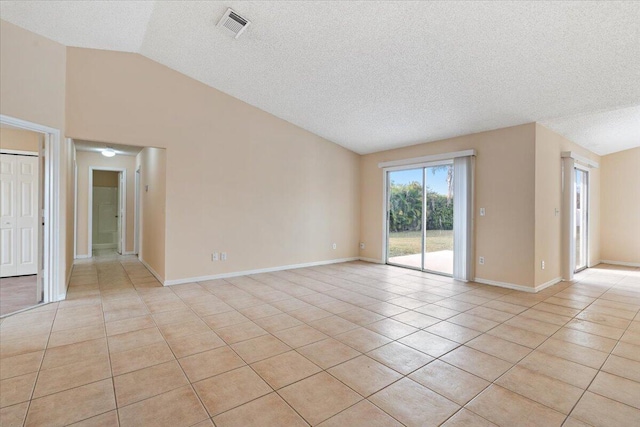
pixel 410 163
pixel 570 161
pixel 585 227
pixel 136 213
pixel 122 211
pixel 54 282
pixel 386 171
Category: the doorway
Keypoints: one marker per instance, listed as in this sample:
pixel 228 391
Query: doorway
pixel 31 216
pixel 581 224
pixel 420 218
pixel 107 211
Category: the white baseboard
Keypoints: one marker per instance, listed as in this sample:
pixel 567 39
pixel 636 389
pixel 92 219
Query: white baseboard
pixel 548 284
pixel 258 271
pixel 518 287
pixel 504 285
pixel 63 296
pixel 82 256
pixel 623 263
pixel 155 274
pixel 104 246
pixel 373 260
pixel 129 253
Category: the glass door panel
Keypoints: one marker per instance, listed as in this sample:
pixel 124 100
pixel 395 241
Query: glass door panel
pixel 404 217
pixel 438 256
pixel 581 218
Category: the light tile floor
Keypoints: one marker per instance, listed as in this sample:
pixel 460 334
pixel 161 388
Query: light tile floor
pixel 17 293
pixel 352 344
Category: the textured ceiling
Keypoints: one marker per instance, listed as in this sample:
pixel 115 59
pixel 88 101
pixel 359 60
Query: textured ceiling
pixel 378 75
pixel 595 130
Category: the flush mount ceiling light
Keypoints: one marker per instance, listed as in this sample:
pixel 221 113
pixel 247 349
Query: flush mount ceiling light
pixel 233 22
pixel 108 152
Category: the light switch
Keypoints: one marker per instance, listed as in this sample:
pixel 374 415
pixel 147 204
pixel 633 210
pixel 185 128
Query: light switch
pixel 481 211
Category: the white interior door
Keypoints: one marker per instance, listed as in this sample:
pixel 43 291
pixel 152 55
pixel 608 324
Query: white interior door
pixel 18 215
pixel 8 244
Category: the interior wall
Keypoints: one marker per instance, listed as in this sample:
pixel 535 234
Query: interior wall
pixel 33 88
pixel 84 160
pixel 239 180
pixel 19 139
pixel 504 186
pixel 152 163
pixel 548 236
pixel 620 207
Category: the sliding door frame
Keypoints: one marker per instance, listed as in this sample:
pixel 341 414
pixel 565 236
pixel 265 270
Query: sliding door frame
pixel 408 164
pixel 570 162
pixel 584 229
pixel 387 194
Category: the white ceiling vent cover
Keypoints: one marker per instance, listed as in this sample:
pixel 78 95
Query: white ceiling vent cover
pixel 233 22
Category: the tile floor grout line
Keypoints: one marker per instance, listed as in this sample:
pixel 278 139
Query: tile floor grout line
pixel 157 364
pixel 44 354
pixel 358 306
pixel 596 375
pixel 302 379
pixel 273 390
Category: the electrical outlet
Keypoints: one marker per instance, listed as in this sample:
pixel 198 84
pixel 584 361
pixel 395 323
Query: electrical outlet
pixel 361 245
pixel 481 260
pixel 334 246
pixel 482 212
pixel 223 256
pixel 542 265
pixel 215 256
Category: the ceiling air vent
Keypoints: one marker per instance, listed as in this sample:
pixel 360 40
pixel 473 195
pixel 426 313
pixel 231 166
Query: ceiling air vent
pixel 233 22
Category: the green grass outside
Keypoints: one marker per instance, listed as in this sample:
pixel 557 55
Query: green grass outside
pixel 410 242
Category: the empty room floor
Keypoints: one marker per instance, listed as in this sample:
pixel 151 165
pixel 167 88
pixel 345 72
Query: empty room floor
pixel 17 293
pixel 352 344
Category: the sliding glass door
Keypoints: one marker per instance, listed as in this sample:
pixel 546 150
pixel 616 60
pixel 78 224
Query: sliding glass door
pixel 420 218
pixel 405 191
pixel 438 252
pixel 581 195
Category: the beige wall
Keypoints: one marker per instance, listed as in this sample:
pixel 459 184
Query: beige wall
pixel 620 207
pixel 239 180
pixel 85 160
pixel 548 236
pixel 18 139
pixel 152 163
pixel 32 88
pixel 504 186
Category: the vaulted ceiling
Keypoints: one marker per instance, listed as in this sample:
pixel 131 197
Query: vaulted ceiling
pixel 377 75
